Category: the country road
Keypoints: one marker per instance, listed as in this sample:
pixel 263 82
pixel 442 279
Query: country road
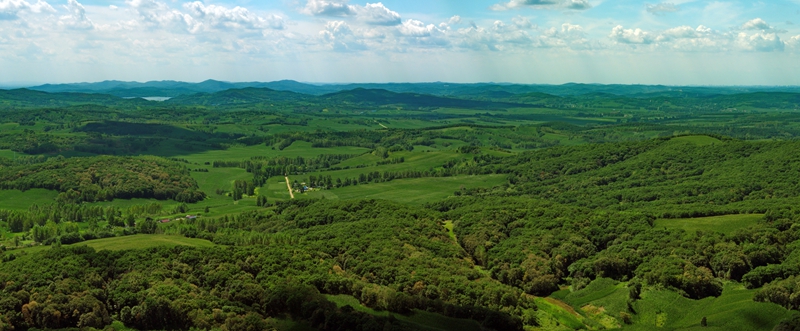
pixel 379 123
pixel 289 186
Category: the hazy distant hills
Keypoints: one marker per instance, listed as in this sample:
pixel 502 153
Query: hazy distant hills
pixel 295 95
pixel 175 88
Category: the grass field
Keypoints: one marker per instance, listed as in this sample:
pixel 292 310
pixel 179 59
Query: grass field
pixel 19 200
pixel 144 241
pixel 413 190
pixel 418 320
pixel 7 153
pixel 724 224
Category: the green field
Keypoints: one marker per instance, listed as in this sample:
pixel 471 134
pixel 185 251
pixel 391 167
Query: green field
pixel 140 241
pixel 19 200
pixel 725 223
pixel 414 190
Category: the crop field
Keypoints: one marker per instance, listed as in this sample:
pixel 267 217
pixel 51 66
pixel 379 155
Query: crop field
pixel 724 224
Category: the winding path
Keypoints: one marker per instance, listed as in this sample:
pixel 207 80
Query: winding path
pixel 289 186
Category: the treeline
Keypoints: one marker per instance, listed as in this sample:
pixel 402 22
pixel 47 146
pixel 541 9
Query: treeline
pixel 105 178
pixel 46 224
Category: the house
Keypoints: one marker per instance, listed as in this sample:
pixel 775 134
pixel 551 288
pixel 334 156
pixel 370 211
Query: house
pixel 166 220
pixel 191 217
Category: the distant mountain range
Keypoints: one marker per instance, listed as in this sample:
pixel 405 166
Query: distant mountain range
pixel 470 91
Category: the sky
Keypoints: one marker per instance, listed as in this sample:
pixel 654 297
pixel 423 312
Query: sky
pixel 677 42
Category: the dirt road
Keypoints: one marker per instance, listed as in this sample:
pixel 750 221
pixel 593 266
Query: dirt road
pixel 289 186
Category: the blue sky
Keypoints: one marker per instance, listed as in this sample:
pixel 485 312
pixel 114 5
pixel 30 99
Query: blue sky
pixel 674 42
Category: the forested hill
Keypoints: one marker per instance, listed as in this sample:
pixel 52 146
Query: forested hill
pixel 361 98
pixel 663 175
pixel 24 98
pixel 379 97
pixel 250 95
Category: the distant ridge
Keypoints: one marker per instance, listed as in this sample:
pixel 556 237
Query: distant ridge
pixel 174 88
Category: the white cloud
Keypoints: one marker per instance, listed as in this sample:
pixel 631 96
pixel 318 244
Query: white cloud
pixel 328 8
pixel 543 4
pixel 76 19
pixel 158 14
pixel 569 35
pixel 454 20
pixel 760 41
pixel 341 38
pixel 522 22
pixel 377 14
pixel 661 8
pixel 684 32
pixel 416 28
pixel 10 9
pixel 630 36
pixel 232 18
pixel 756 24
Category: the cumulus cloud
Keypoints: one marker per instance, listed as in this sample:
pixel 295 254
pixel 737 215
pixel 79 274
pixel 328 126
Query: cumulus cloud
pixel 543 4
pixel 76 19
pixel 760 41
pixel 231 18
pixel 328 8
pixel 569 35
pixel 522 22
pixel 662 8
pixel 454 20
pixel 341 38
pixel 630 36
pixel 756 24
pixel 371 13
pixel 10 9
pixel 421 34
pixel 158 14
pixel 684 32
pixel 377 14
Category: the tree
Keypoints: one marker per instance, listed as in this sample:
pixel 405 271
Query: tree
pixel 130 221
pixel 149 226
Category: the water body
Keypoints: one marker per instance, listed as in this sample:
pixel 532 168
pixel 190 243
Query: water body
pixel 151 98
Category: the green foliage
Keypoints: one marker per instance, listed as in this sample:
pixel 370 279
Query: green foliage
pixel 105 178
